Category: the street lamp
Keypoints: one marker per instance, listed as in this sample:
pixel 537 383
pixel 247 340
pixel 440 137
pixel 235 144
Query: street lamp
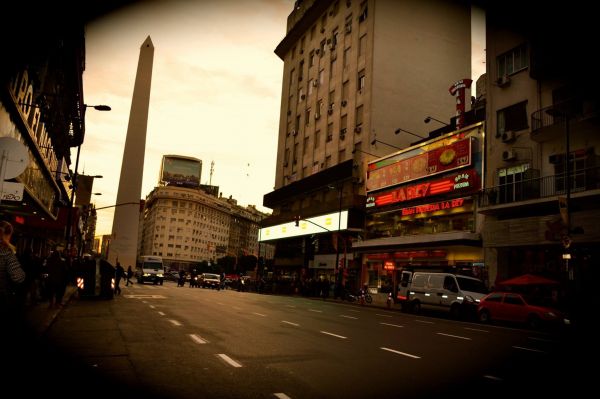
pixel 383 142
pixel 430 118
pixel 406 131
pixel 68 234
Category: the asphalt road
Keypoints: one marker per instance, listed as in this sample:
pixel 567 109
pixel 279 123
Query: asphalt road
pixel 170 342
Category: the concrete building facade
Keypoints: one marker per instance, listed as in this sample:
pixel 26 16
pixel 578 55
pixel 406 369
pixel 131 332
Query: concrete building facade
pixel 354 72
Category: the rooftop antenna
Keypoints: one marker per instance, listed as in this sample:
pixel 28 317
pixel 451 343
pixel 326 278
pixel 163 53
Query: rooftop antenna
pixel 212 169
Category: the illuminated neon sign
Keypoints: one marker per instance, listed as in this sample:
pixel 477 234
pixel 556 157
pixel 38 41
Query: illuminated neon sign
pixel 466 181
pixel 434 207
pixel 314 225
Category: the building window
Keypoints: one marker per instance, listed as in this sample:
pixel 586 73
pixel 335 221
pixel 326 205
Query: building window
pixel 310 86
pixel 512 118
pixel 328 161
pixel 317 138
pixel 305 145
pixel 307 117
pixel 329 132
pixel 321 76
pixel 362 80
pixel 362 45
pixel 511 183
pixel 359 116
pixel 345 90
pixel 348 24
pixel 311 59
pixel 512 61
pixel 332 68
pixel 362 16
pixel 346 57
pixel 322 48
pixel 341 156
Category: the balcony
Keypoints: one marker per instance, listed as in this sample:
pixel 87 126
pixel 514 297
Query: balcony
pixel 534 190
pixel 548 123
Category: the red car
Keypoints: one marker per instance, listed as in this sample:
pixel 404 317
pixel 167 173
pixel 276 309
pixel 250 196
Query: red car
pixel 513 307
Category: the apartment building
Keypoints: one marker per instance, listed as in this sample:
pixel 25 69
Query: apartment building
pixel 354 72
pixel 542 187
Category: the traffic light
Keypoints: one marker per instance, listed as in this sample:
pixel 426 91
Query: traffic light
pixel 297 220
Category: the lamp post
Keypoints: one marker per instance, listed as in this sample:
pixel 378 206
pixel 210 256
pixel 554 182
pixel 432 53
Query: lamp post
pixel 68 233
pixel 409 132
pixel 430 118
pixel 383 142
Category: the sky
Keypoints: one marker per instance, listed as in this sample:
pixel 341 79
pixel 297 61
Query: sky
pixel 215 95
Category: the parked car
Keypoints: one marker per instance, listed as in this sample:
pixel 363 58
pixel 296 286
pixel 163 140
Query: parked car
pixel 514 307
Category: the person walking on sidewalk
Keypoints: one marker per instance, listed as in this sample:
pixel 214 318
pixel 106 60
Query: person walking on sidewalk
pixel 57 278
pixel 119 273
pixel 129 276
pixel 11 273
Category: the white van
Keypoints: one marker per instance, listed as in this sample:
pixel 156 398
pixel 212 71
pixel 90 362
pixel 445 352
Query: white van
pixel 458 294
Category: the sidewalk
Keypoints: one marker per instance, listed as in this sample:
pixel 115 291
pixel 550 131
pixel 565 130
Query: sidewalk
pixel 39 317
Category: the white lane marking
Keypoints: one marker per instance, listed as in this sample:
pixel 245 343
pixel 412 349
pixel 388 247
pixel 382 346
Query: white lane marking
pixel 543 339
pixel 259 314
pixel 425 321
pixel 349 317
pixel 281 395
pixel 229 360
pixel 454 336
pixel 393 325
pixel 175 322
pixel 289 322
pixel 400 353
pixel 236 307
pixel 476 329
pixel 383 315
pixel 144 301
pixel 220 303
pixel 290 306
pixel 314 310
pixel 333 335
pixel 352 310
pixel 528 349
pixel 197 339
pixel 491 377
pixel 151 306
pixel 161 313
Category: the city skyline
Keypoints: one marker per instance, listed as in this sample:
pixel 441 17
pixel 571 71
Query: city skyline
pixel 204 102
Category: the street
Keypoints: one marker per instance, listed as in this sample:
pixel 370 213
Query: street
pixel 170 342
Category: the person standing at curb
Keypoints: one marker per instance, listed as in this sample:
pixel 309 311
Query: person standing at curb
pixel 11 273
pixel 129 276
pixel 119 273
pixel 57 278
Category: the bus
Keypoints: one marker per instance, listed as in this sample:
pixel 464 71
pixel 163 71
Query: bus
pixel 151 269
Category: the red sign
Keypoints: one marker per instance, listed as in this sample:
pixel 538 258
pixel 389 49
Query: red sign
pixel 466 181
pixel 389 265
pixel 451 156
pixel 436 206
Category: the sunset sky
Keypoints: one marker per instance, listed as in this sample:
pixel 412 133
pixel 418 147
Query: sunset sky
pixel 216 93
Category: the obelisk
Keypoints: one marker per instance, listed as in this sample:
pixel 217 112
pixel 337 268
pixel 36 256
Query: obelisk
pixel 124 240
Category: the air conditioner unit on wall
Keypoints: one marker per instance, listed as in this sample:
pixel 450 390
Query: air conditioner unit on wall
pixel 503 81
pixel 509 155
pixel 508 136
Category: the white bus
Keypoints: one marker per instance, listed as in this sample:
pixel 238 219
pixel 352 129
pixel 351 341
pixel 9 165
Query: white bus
pixel 150 268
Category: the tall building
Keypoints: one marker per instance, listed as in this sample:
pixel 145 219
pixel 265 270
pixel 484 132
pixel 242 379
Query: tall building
pixel 125 228
pixel 187 223
pixel 542 190
pixel 354 74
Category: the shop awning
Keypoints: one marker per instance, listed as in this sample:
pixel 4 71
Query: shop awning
pixel 426 239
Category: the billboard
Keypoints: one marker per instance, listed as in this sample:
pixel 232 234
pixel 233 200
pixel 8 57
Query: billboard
pixel 319 224
pixel 182 171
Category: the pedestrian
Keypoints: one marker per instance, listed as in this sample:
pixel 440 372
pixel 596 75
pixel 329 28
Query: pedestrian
pixel 119 273
pixel 11 273
pixel 57 278
pixel 129 276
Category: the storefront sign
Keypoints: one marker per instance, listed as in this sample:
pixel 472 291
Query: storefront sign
pixel 438 160
pixel 386 257
pixel 318 224
pixel 434 207
pixel 466 181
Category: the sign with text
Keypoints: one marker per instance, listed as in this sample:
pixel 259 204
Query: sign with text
pixel 463 182
pixel 438 160
pixel 318 224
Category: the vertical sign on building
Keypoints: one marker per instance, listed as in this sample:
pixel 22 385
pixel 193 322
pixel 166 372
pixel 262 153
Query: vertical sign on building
pixel 458 90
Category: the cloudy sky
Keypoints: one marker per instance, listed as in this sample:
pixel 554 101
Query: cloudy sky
pixel 216 92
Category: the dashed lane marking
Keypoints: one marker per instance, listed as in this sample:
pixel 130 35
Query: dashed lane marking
pixel 175 322
pixel 454 336
pixel 493 378
pixel 315 310
pixel 425 321
pixel 528 349
pixel 281 395
pixel 476 329
pixel 392 325
pixel 259 314
pixel 161 313
pixel 142 296
pixel 383 315
pixel 400 353
pixel 229 360
pixel 333 335
pixel 349 317
pixel 197 339
pixel 290 323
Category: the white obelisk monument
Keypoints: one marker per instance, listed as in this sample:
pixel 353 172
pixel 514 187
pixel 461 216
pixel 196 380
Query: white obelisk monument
pixel 126 222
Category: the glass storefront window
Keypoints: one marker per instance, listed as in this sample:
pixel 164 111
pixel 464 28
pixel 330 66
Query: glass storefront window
pixel 392 224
